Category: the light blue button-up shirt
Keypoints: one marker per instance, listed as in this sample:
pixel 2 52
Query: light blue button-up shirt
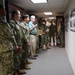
pixel 30 26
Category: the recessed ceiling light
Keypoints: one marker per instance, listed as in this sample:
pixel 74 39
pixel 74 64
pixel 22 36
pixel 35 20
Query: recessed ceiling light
pixel 48 13
pixel 39 1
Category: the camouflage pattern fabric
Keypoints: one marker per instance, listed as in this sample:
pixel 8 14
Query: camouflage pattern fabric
pixel 5 52
pixel 17 32
pixel 25 41
pixel 46 35
pixel 52 32
pixel 17 57
pixel 43 37
pixel 25 30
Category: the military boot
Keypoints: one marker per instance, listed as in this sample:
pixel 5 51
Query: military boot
pixel 27 67
pixel 22 71
pixel 44 47
pixel 28 62
pixel 48 47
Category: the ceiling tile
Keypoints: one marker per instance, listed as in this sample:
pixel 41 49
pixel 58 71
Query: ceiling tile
pixel 52 5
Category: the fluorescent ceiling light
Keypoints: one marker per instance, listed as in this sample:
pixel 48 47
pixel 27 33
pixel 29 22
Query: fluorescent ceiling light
pixel 39 1
pixel 52 17
pixel 48 13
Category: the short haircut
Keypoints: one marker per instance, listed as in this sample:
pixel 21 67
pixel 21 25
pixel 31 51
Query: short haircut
pixel 25 16
pixel 1 7
pixel 32 16
pixel 14 12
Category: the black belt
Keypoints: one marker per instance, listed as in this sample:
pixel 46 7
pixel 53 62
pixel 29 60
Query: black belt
pixel 32 34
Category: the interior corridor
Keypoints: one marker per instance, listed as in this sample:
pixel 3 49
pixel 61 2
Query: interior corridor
pixel 53 61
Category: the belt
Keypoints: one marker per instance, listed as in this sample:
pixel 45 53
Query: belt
pixel 32 34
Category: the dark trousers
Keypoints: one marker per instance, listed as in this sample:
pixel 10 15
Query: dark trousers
pixel 40 41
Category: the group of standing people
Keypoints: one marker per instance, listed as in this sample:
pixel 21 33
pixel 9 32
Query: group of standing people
pixel 49 32
pixel 52 34
pixel 17 42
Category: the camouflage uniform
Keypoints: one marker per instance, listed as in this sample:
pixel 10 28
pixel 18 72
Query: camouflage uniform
pixel 52 32
pixel 18 37
pixel 26 40
pixel 42 37
pixel 61 36
pixel 46 35
pixel 5 50
pixel 25 29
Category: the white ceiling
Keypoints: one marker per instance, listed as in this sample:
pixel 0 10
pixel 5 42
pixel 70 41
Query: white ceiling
pixel 56 6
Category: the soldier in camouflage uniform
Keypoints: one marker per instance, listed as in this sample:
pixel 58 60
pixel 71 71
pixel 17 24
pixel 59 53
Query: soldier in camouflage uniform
pixel 48 24
pixel 52 33
pixel 25 45
pixel 61 34
pixel 6 61
pixel 18 37
pixel 42 37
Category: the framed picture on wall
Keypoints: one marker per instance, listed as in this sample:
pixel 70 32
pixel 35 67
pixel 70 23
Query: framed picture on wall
pixel 66 22
pixel 72 20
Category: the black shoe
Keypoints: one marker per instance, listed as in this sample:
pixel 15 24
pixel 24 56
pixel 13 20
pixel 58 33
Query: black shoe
pixel 35 55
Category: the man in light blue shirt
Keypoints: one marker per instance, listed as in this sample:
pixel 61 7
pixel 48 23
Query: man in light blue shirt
pixel 33 31
pixel 32 25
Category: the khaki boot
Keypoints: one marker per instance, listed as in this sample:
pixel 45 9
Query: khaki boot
pixel 48 47
pixel 22 71
pixel 27 67
pixel 28 62
pixel 44 47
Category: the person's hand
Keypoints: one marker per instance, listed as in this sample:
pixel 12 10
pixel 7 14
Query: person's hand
pixel 28 44
pixel 36 25
pixel 19 50
pixel 40 34
pixel 47 30
pixel 16 47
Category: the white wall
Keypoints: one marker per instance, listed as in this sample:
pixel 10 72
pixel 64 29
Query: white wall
pixel 70 39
